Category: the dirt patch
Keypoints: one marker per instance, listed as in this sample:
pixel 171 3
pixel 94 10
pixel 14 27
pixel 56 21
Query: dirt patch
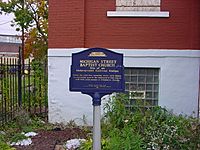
pixel 47 140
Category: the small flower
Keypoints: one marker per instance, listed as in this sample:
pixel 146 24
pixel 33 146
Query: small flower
pixel 26 71
pixel 126 121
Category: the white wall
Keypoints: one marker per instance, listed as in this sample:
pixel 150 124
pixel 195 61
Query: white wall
pixel 179 82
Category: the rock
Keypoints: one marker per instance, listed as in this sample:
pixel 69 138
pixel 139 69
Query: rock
pixel 30 134
pixel 2 132
pixel 24 142
pixel 74 143
pixel 59 147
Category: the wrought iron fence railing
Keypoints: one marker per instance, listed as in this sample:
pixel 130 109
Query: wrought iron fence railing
pixel 22 88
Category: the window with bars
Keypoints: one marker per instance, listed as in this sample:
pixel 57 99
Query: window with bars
pixel 142 84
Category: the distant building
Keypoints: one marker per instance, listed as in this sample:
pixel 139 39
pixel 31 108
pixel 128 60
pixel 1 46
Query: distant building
pixel 9 45
pixel 160 40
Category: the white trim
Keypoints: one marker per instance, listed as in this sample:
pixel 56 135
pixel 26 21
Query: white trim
pixel 159 14
pixel 63 52
pixel 55 52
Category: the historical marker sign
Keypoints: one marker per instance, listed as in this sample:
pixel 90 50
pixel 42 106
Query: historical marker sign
pixel 97 70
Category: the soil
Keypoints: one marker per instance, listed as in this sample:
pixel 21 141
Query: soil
pixel 47 140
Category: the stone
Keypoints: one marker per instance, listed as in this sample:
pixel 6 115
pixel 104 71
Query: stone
pixel 59 147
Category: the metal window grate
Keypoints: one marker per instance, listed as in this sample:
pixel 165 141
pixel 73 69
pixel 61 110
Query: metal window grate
pixel 143 82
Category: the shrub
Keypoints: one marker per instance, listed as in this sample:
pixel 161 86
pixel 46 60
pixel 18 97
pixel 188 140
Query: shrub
pixel 145 128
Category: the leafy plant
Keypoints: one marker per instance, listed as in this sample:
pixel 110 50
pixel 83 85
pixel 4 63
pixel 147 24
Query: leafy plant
pixel 31 18
pixel 4 146
pixel 22 118
pixel 18 137
pixel 86 145
pixel 14 130
pixel 145 128
pixel 34 88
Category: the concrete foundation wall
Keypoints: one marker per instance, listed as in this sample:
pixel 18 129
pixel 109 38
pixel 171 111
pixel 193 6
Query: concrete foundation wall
pixel 178 83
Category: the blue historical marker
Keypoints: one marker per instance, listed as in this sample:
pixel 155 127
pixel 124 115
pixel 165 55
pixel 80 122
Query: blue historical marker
pixel 97 72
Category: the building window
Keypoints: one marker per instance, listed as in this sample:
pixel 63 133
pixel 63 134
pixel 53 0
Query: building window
pixel 138 5
pixel 138 8
pixel 142 84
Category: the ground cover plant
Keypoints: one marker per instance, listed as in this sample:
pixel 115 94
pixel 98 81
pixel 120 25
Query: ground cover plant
pixel 123 128
pixel 27 132
pixel 145 128
pixel 15 130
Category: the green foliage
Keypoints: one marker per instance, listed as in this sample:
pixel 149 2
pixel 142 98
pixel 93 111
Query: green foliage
pixel 18 137
pixel 143 128
pixel 35 94
pixel 31 18
pixel 34 90
pixel 22 119
pixel 37 124
pixel 116 112
pixel 13 130
pixel 119 125
pixel 86 145
pixel 6 87
pixel 125 139
pixel 4 146
pixel 22 13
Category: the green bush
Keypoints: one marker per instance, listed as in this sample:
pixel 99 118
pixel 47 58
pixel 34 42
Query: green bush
pixel 146 128
pixel 4 146
pixel 119 125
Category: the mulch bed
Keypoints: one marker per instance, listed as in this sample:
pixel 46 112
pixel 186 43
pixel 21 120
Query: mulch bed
pixel 47 140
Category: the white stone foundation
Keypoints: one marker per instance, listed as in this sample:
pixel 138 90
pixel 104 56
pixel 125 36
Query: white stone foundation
pixel 178 82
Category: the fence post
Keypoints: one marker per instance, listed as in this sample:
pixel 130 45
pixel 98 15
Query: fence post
pixel 19 79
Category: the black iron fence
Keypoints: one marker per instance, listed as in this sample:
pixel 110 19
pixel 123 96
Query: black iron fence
pixel 22 87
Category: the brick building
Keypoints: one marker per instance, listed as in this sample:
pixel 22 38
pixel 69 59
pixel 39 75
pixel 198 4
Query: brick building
pixel 160 40
pixel 9 45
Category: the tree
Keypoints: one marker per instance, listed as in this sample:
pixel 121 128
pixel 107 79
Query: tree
pixel 31 18
pixel 37 37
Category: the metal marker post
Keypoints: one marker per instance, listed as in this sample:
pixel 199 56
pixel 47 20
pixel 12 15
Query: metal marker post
pixel 96 121
pixel 90 80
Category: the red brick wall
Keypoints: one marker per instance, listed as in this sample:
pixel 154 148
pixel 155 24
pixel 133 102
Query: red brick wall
pixel 85 24
pixel 66 23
